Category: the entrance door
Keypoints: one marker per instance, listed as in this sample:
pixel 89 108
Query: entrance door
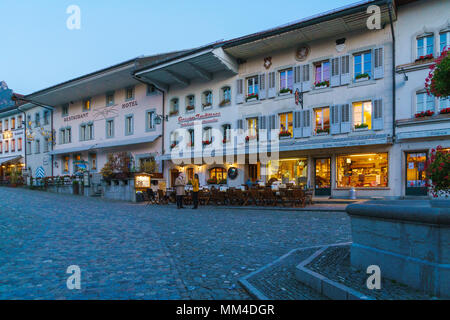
pixel 253 172
pixel 322 178
pixel 173 175
pixel 415 174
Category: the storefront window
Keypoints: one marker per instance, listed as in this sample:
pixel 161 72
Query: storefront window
pixel 286 122
pixel 415 170
pixel 288 171
pixel 218 173
pixel 362 170
pixel 66 164
pixel 190 174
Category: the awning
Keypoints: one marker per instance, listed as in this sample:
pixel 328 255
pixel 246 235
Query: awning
pixel 106 144
pixel 9 159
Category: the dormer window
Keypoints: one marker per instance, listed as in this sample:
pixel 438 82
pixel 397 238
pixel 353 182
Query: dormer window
pixel 190 103
pixel 174 107
pixel 207 100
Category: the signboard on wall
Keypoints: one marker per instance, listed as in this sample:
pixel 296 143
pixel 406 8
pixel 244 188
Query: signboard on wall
pixel 208 117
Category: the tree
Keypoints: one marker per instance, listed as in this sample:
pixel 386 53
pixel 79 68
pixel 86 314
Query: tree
pixel 438 81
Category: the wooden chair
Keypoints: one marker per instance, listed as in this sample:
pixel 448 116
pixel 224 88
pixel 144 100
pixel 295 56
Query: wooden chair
pixel 162 198
pixel 285 197
pixel 269 197
pixel 204 197
pixel 230 196
pixel 309 195
pixel 254 196
pixel 240 197
pixel 299 198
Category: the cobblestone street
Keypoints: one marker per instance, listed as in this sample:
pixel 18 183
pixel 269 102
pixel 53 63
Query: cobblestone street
pixel 130 251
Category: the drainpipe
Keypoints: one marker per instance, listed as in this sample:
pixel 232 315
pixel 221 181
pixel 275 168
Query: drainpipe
pixel 163 112
pixel 390 5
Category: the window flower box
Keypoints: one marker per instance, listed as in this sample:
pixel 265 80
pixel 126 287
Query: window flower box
pixel 321 84
pixel 250 138
pixel 284 134
pixel 206 142
pixel 362 77
pixel 251 97
pixel 190 108
pixel 285 91
pixel 445 111
pixel 224 103
pixel 423 114
pixel 173 113
pixel 320 131
pixel 425 58
pixel 207 105
pixel 362 126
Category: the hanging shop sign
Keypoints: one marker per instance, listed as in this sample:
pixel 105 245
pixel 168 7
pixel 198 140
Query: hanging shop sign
pixel 205 118
pixel 232 173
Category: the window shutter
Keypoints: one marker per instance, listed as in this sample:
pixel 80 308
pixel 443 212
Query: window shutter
pixel 240 124
pixel 297 124
pixel 305 77
pixel 239 91
pixel 262 86
pixel 335 72
pixel 345 118
pixel 271 93
pixel 377 118
pixel 345 70
pixel 272 126
pixel 335 127
pixel 297 79
pixel 378 71
pixel 306 129
pixel 262 124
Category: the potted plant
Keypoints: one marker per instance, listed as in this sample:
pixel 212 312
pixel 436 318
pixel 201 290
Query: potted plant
pixel 284 134
pixel 190 108
pixel 424 58
pixel 437 169
pixel 362 77
pixel 224 102
pixel 207 142
pixel 207 105
pixel 423 114
pixel 173 145
pixel 249 138
pixel 361 126
pixel 321 84
pixel 321 131
pixel 285 91
pixel 437 82
pixel 173 112
pixel 251 97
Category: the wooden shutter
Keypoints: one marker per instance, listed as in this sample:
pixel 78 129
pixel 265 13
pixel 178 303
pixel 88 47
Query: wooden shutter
pixel 262 125
pixel 305 77
pixel 297 79
pixel 377 117
pixel 345 118
pixel 271 93
pixel 306 121
pixel 239 91
pixel 335 127
pixel 262 86
pixel 378 57
pixel 297 124
pixel 345 70
pixel 335 72
pixel 272 126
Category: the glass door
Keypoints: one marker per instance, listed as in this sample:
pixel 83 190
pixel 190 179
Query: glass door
pixel 322 180
pixel 415 174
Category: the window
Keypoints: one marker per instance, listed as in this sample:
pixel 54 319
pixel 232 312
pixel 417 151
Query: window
pixel 150 121
pixel 190 103
pixel 444 103
pixel 28 150
pixel 13 123
pixel 37 120
pixel 29 123
pixel 174 139
pixel 226 133
pixel 45 145
pixel 37 146
pixel 19 144
pixel 322 72
pixel 191 138
pixel 110 99
pixel 93 161
pixel 252 87
pixel 6 146
pixel 207 136
pixel 362 115
pixel 46 117
pixel 252 127
pixel 151 90
pixel 109 128
pixel 322 120
pixel 286 122
pixel 65 165
pixel 286 81
pixel 65 110
pixel 129 125
pixel 174 107
pixel 363 65
pixel 226 96
pixel 425 46
pixel 129 93
pixel 86 132
pixel 207 100
pixel 87 104
pixel 444 41
pixel 218 174
pixel 13 145
pixel 65 135
pixel 424 102
pixel 19 123
pixel 288 171
pixel 362 170
pixel 6 125
pixel 1 126
pixel 1 146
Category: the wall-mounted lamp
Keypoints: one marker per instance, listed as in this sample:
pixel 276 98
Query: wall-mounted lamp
pixel 159 118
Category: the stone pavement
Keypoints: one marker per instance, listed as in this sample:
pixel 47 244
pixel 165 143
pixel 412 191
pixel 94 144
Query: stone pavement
pixel 130 251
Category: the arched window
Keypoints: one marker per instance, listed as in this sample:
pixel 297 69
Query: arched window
pixel 174 107
pixel 218 174
pixel 207 99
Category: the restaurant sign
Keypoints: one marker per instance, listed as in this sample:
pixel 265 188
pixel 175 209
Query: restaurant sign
pixel 205 118
pixel 76 117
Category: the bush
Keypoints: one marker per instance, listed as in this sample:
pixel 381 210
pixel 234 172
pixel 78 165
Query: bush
pixel 438 81
pixel 438 169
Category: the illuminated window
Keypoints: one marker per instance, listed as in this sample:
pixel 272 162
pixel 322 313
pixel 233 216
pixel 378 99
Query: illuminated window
pixel 362 115
pixel 93 158
pixel 13 145
pixel 286 123
pixel 13 123
pixel 1 146
pixel 65 164
pixel 288 171
pixel 19 144
pixel 218 173
pixel 362 170
pixel 6 146
pixel 322 120
pixel 252 127
pixel 87 105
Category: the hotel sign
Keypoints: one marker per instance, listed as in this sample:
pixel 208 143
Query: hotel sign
pixel 129 104
pixel 205 118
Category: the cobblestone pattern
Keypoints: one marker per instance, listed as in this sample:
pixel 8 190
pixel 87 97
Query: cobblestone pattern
pixel 334 263
pixel 278 282
pixel 131 251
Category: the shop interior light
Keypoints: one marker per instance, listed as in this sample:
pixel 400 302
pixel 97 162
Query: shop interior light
pixel 363 155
